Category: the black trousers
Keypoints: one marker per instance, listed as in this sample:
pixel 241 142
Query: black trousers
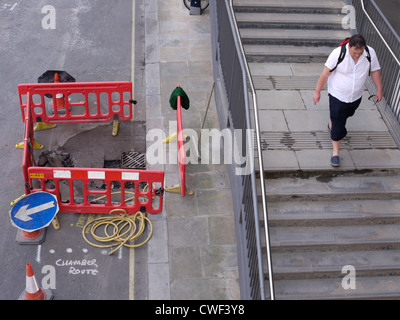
pixel 339 113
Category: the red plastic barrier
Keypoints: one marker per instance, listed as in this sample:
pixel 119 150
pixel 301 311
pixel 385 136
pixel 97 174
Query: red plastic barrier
pixel 181 147
pixel 27 158
pixel 87 190
pixel 83 102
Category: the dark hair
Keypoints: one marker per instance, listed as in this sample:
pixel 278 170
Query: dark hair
pixel 357 41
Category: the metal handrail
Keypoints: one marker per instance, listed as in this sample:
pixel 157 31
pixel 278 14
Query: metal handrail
pixel 379 33
pixel 260 161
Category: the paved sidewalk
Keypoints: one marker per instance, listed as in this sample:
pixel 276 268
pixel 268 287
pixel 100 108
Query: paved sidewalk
pixel 192 254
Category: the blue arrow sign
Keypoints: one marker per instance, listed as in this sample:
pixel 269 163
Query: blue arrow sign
pixel 34 211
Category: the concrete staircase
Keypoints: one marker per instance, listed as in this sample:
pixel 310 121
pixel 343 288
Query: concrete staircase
pixel 290 31
pixel 321 219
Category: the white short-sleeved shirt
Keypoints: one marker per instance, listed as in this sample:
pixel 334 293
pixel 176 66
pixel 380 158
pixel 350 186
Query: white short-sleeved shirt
pixel 347 82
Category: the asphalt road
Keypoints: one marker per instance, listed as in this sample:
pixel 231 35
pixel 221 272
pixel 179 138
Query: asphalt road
pixel 92 40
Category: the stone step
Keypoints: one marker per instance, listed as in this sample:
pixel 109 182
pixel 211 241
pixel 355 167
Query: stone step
pixel 340 238
pixel 384 287
pixel 332 213
pixel 323 265
pixel 337 188
pixel 289 21
pixel 256 36
pixel 311 241
pixel 292 6
pixel 288 53
pixel 321 221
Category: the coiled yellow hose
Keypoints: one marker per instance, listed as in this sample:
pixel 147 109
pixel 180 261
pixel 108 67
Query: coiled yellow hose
pixel 125 229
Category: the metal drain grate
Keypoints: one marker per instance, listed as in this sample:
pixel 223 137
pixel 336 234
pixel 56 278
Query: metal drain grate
pixel 322 140
pixel 133 160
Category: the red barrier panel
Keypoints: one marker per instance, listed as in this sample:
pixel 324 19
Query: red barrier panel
pixel 82 102
pixel 181 147
pixel 87 190
pixel 27 157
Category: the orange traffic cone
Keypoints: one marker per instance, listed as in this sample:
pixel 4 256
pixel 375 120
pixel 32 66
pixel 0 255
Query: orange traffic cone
pixel 32 291
pixel 60 100
pixel 31 235
pixel 34 237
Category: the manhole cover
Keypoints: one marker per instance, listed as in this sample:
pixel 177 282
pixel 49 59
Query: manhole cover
pixel 133 160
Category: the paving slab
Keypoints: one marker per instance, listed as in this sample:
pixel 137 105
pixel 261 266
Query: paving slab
pixel 279 160
pixel 158 282
pixel 375 158
pixel 320 159
pixel 308 69
pixel 279 100
pixel 272 120
pixel 305 120
pixel 267 69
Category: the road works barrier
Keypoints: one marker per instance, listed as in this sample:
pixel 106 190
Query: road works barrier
pixel 86 190
pixel 84 102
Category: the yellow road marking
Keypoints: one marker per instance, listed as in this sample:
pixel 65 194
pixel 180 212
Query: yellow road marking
pixel 132 250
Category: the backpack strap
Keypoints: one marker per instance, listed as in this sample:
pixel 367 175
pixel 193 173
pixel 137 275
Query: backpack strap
pixel 369 59
pixel 342 55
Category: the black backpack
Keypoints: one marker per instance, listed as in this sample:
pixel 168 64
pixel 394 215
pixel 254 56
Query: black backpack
pixel 344 51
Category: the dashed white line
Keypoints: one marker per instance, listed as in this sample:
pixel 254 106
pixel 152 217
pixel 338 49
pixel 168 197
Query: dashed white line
pixel 131 280
pixel 38 253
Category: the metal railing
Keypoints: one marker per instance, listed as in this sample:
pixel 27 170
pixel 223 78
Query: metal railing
pixel 232 73
pixel 380 35
pixel 260 155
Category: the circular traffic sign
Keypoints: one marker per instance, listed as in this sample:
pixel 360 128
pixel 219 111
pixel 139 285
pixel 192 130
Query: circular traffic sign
pixel 34 211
